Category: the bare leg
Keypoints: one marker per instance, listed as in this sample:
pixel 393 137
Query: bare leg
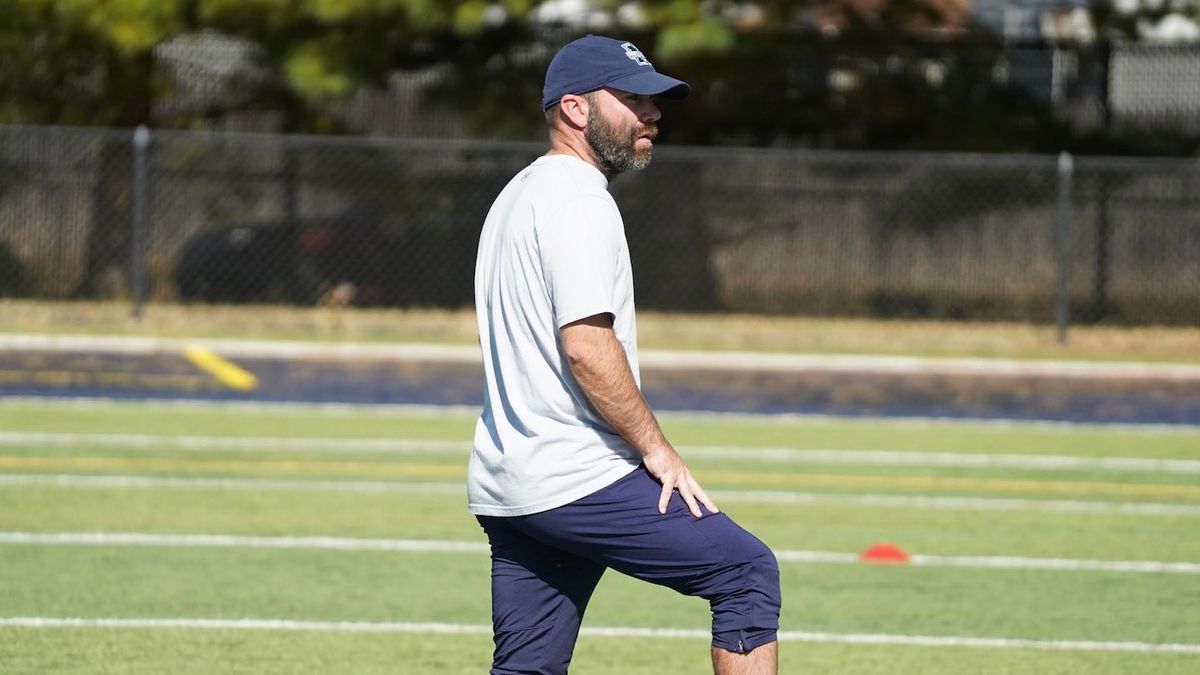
pixel 762 660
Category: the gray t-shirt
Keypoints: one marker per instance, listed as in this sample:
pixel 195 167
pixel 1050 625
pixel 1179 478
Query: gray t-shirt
pixel 552 251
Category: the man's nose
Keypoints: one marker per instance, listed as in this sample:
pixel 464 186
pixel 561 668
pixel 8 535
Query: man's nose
pixel 649 112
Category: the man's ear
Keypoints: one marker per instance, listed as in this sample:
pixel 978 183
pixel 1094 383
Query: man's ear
pixel 574 110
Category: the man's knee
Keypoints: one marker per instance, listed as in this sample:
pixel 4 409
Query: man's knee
pixel 746 613
pixel 536 650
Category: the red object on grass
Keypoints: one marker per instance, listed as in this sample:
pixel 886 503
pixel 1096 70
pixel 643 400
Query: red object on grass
pixel 884 553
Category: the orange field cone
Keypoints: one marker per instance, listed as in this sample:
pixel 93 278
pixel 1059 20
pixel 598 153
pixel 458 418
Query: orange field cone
pixel 884 553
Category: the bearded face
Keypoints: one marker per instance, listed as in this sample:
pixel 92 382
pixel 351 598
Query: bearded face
pixel 620 147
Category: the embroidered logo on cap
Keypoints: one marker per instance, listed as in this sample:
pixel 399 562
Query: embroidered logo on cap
pixel 635 54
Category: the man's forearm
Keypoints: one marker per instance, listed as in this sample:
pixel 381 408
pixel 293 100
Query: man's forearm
pixel 601 367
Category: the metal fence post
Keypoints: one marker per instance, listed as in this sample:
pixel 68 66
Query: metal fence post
pixel 141 147
pixel 1062 245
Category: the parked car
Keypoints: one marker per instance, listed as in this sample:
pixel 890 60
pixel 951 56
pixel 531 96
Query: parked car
pixel 346 259
pixel 14 278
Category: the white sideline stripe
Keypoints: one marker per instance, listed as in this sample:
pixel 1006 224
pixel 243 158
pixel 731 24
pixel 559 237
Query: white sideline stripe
pixel 650 358
pixel 126 482
pixel 256 443
pixel 595 631
pixel 233 541
pixel 1005 562
pixel 443 546
pixel 118 481
pixel 816 557
pixel 958 503
pixel 800 455
pixel 948 459
pixel 186 405
pixel 1021 563
pixel 120 344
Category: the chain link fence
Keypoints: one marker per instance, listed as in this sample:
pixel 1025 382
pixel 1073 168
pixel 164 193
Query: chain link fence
pixel 237 218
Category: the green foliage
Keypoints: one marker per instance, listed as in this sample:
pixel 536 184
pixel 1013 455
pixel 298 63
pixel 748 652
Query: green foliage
pixel 89 62
pixel 129 26
pixel 469 17
pixel 705 35
pixel 316 70
pixel 79 62
pixel 758 77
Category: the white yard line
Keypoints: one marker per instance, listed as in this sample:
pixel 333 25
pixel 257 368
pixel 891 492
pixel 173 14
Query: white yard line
pixel 1070 564
pixel 742 453
pixel 946 459
pixel 187 405
pixel 592 631
pixel 938 503
pixel 253 443
pixel 443 546
pixel 1002 562
pixel 928 502
pixel 123 482
pixel 650 358
pixel 235 541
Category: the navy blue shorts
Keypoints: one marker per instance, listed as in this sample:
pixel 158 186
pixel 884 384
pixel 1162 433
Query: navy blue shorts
pixel 546 565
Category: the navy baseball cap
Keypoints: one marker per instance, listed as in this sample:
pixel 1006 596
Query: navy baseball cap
pixel 592 62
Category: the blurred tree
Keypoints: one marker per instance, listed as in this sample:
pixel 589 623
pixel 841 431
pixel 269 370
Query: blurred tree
pixel 842 73
pixel 845 73
pixel 79 62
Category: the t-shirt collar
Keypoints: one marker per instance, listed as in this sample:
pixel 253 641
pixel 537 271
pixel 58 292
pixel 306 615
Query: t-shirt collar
pixel 588 172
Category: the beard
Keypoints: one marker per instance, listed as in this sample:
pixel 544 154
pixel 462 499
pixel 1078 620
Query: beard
pixel 616 148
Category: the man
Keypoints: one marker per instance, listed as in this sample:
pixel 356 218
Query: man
pixel 570 473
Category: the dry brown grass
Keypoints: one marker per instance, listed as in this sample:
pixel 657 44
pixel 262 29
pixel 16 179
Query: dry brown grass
pixel 656 330
pixel 921 338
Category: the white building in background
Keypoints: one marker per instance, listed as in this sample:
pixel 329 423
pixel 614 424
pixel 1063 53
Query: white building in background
pixel 1151 82
pixel 1155 87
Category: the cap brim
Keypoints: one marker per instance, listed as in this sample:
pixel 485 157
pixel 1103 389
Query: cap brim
pixel 652 83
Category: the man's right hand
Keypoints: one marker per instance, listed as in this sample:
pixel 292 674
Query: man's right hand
pixel 669 468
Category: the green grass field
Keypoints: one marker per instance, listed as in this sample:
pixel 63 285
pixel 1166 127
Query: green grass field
pixel 373 504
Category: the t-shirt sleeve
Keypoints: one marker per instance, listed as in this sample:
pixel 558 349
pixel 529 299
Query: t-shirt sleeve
pixel 579 247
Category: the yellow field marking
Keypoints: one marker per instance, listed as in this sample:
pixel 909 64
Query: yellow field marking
pixel 303 467
pixel 226 372
pixel 712 479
